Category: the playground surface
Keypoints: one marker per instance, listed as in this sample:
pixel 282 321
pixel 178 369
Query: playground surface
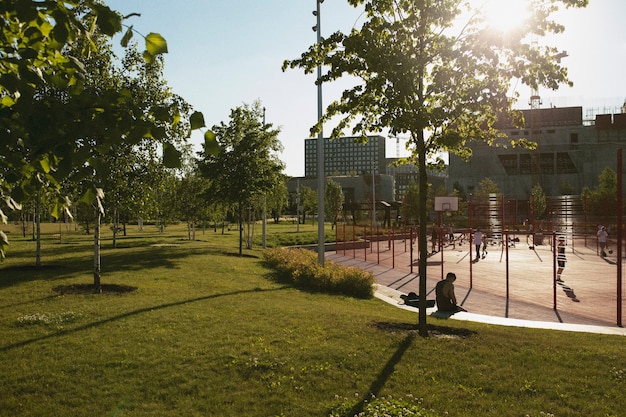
pixel 511 285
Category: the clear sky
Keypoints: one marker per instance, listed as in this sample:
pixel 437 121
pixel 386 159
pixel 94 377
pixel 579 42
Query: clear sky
pixel 224 53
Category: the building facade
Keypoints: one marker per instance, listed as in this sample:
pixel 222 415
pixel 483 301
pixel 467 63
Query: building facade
pixel 570 154
pixel 344 156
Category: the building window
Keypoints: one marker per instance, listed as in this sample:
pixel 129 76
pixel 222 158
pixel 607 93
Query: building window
pixel 564 164
pixel 525 166
pixel 573 140
pixel 547 163
pixel 509 163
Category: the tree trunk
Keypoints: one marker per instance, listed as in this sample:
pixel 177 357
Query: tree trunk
pixel 423 221
pixel 115 222
pixel 240 221
pixel 37 231
pixel 24 224
pixel 96 254
pixel 250 234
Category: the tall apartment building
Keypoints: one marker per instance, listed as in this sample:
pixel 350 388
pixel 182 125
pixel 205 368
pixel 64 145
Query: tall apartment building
pixel 344 156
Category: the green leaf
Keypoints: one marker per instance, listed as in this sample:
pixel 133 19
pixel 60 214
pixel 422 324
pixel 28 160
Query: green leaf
pixel 93 196
pixel 88 197
pixel 161 113
pixel 148 57
pixel 55 210
pixel 45 164
pixel 127 37
pixel 197 120
pixel 109 22
pixel 176 119
pixel 7 101
pixel 171 156
pixel 211 146
pixel 156 44
pixel 60 33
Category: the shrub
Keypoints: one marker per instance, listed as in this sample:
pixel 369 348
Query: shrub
pixel 301 268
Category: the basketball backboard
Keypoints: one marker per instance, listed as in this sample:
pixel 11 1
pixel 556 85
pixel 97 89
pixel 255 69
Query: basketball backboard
pixel 446 203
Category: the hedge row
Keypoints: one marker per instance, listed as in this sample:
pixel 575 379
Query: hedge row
pixel 301 268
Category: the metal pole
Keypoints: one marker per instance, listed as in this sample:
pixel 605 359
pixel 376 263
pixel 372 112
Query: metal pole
pixel 377 246
pixel 411 248
pixel 619 236
pixel 320 151
pixel 264 202
pixel 365 243
pixel 507 267
pixel 373 195
pixel 471 238
pixel 554 260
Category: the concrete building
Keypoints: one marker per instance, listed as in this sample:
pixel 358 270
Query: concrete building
pixel 354 166
pixel 344 156
pixel 571 153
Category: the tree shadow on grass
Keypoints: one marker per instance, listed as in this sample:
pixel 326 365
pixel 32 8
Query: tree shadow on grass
pixel 141 258
pixel 16 274
pixel 65 332
pixel 412 330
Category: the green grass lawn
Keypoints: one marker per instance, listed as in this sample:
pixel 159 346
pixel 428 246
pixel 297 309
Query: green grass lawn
pixel 209 333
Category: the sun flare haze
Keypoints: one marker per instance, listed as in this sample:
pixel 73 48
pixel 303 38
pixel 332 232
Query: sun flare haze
pixel 504 15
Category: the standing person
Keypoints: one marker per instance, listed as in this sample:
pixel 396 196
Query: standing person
pixel 560 258
pixel 444 294
pixel 602 235
pixel 478 241
pixel 433 238
pixel 484 246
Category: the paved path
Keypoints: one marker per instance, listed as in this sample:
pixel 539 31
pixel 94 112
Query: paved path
pixel 587 301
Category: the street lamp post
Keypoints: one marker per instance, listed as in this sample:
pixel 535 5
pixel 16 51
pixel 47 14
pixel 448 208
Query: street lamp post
pixel 264 202
pixel 373 195
pixel 320 150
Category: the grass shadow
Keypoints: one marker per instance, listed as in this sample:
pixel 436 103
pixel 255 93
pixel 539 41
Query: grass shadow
pixel 135 258
pixel 412 330
pixel 379 383
pixel 130 314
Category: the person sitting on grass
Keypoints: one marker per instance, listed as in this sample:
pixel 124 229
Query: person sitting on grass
pixel 444 294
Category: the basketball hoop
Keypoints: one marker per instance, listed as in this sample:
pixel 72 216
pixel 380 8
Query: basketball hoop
pixel 447 204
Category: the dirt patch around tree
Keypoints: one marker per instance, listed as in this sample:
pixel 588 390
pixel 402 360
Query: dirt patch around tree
pixel 433 330
pixel 112 289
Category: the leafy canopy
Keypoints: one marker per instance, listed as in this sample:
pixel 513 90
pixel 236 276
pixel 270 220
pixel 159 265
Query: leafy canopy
pixel 417 69
pixel 49 120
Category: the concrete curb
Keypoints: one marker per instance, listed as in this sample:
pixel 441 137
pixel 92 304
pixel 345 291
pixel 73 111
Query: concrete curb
pixel 391 296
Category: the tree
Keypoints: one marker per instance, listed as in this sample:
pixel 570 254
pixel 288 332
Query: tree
pixel 246 164
pixel 419 74
pixel 334 201
pixel 44 114
pixel 566 188
pixel 602 200
pixel 277 199
pixel 411 202
pixel 308 199
pixel 485 187
pixel 539 201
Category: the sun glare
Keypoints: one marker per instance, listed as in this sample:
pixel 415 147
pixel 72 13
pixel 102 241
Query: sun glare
pixel 504 15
